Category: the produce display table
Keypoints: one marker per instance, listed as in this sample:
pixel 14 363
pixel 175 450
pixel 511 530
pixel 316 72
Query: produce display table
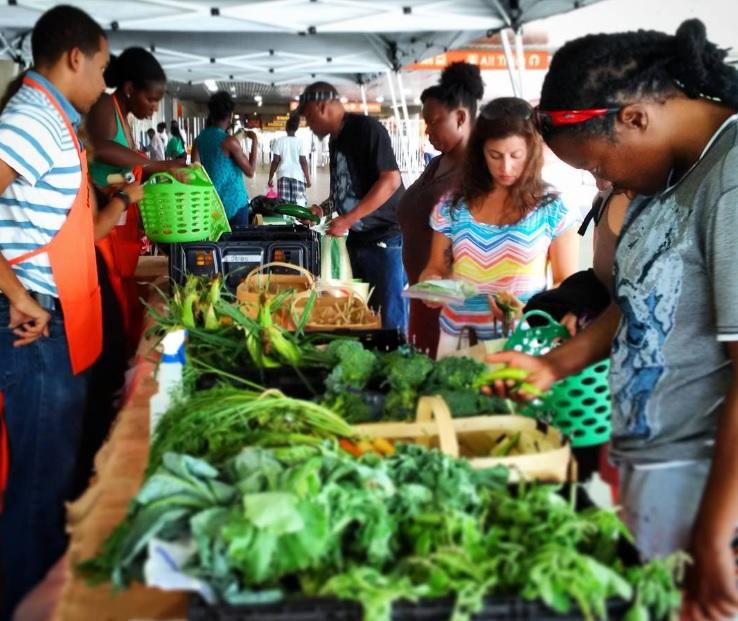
pixel 120 464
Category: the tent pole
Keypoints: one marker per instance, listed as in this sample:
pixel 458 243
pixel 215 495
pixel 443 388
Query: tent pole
pixel 363 100
pixel 405 133
pixel 394 98
pixel 510 61
pixel 521 58
pixel 403 99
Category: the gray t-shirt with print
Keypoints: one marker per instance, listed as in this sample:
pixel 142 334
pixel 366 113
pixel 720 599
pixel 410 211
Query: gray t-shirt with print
pixel 676 283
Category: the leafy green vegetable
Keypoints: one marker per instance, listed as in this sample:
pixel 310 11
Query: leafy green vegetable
pixel 416 524
pixel 217 423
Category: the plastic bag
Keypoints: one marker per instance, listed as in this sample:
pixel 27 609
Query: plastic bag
pixel 445 291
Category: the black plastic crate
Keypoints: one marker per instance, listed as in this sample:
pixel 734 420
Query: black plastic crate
pixel 239 252
pixel 322 609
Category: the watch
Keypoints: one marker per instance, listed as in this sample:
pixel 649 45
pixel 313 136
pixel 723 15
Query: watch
pixel 122 195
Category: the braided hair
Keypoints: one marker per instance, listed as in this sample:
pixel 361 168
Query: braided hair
pixel 460 86
pixel 610 70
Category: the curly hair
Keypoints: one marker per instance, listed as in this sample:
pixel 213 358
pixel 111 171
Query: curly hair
pixel 610 70
pixel 220 106
pixel 460 86
pixel 503 118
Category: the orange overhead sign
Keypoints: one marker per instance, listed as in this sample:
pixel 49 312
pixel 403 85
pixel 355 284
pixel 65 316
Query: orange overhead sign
pixel 488 60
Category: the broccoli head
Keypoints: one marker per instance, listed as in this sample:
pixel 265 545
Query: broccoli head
pixel 354 368
pixel 454 373
pixel 468 402
pixel 353 407
pixel 406 369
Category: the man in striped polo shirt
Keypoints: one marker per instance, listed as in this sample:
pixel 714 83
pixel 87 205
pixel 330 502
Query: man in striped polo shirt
pixel 49 294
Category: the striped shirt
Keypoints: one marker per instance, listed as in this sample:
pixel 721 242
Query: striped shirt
pixel 35 142
pixel 511 258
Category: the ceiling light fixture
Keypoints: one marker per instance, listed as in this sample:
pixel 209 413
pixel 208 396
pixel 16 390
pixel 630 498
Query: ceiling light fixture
pixel 211 85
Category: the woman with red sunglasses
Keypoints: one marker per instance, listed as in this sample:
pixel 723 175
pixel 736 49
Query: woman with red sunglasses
pixel 656 115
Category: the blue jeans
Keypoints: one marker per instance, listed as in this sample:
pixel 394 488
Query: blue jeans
pixel 44 405
pixel 381 266
pixel 240 218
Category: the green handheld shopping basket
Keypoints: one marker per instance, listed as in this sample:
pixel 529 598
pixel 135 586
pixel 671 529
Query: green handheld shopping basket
pixel 176 212
pixel 579 405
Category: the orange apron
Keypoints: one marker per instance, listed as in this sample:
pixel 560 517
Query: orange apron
pixel 72 256
pixel 120 250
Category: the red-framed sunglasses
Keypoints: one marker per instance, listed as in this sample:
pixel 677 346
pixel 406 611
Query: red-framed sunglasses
pixel 546 120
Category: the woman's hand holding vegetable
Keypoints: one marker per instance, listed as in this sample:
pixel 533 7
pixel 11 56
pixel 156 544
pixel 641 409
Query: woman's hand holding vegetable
pixel 541 375
pixel 507 309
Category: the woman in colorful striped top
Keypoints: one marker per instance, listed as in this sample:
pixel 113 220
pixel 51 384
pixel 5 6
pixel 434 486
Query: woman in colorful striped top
pixel 503 228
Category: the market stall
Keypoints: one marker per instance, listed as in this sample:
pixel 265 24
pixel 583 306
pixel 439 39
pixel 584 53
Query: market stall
pixel 376 484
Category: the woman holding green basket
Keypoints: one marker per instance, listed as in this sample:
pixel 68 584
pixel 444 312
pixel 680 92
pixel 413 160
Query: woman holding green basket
pixel 656 115
pixel 139 83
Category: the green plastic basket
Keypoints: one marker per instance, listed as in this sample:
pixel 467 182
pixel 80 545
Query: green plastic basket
pixel 176 212
pixel 579 405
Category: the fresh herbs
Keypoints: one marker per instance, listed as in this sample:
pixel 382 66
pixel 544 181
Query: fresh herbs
pixel 216 424
pixel 411 525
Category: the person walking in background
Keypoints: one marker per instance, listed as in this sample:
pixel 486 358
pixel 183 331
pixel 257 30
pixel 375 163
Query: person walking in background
pixel 289 162
pixel 502 228
pixel 161 129
pixel 156 146
pixel 365 188
pixel 449 110
pixel 175 149
pixel 224 159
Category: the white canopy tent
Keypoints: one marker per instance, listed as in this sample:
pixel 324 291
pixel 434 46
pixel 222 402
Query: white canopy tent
pixel 278 44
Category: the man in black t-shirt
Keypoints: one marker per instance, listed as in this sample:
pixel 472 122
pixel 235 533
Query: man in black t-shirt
pixel 365 188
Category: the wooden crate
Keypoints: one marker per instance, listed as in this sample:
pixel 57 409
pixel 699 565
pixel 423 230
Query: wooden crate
pixel 473 439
